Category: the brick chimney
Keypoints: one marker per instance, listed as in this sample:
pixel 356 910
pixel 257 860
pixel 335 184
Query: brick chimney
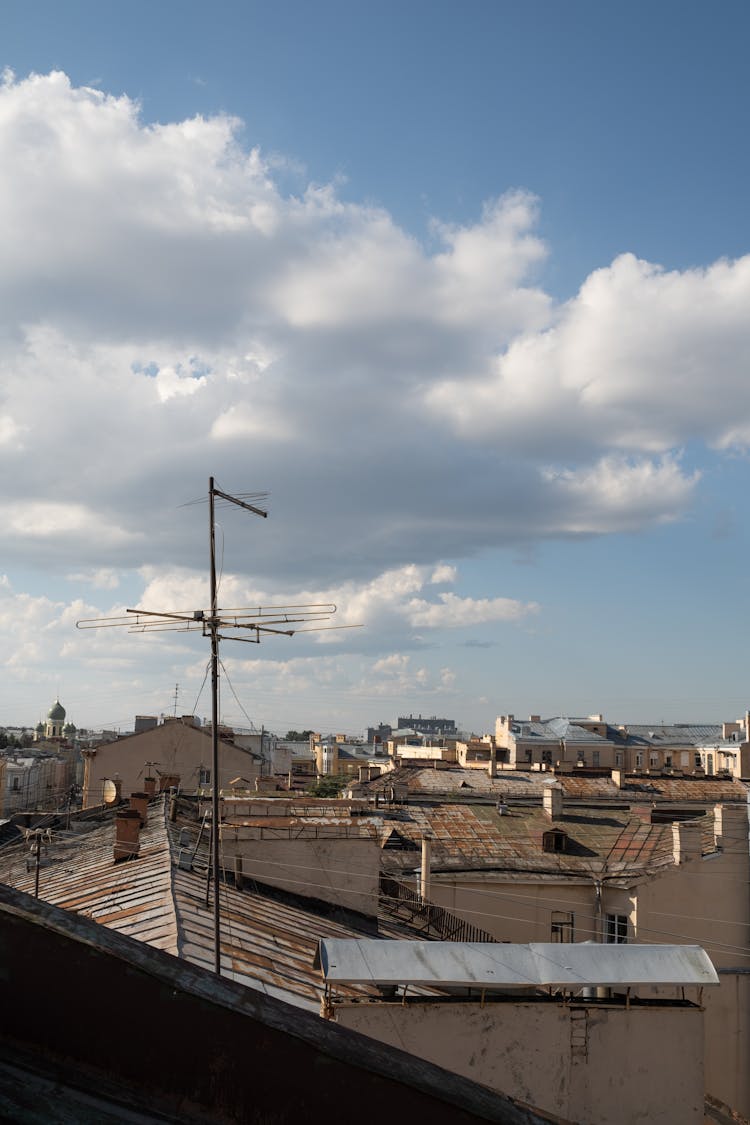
pixel 139 802
pixel 687 840
pixel 552 799
pixel 127 833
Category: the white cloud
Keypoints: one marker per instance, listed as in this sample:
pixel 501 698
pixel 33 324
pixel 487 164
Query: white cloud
pixel 101 579
pixel 453 612
pixel 442 574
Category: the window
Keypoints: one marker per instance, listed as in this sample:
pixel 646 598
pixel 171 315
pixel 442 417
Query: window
pixel 618 758
pixel 653 760
pixel 562 926
pixel 668 760
pixel 709 763
pixel 616 929
pixel 204 777
pixel 596 757
pixel 638 760
pixel 554 840
pixel 547 757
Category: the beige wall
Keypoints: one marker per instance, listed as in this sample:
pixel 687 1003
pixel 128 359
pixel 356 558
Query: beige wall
pixel 512 909
pixel 590 1065
pixel 174 748
pixel 341 871
pixel 707 902
pixel 704 901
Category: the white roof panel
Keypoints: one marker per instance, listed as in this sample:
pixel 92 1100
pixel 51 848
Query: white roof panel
pixel 485 965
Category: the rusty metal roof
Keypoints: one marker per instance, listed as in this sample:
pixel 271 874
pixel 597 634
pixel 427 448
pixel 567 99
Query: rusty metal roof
pixel 266 944
pixel 521 784
pixel 476 837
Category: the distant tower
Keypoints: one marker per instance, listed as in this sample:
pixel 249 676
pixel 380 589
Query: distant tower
pixel 53 728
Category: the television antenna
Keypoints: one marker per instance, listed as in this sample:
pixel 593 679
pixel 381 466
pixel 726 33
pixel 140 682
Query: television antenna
pixel 245 624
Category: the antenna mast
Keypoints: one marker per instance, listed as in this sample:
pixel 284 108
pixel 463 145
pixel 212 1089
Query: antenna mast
pixel 250 622
pixel 214 629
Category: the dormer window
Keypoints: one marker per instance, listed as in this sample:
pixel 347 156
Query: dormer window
pixel 555 840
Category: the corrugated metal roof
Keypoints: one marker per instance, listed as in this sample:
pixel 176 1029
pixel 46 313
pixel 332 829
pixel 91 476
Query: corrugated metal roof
pixel 475 837
pixel 527 783
pixel 673 734
pixel 266 944
pixel 475 965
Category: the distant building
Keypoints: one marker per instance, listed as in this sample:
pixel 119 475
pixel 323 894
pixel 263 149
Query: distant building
pixel 437 728
pixel 176 752
pixel 381 733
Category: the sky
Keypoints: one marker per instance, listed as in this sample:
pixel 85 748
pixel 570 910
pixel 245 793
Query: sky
pixel 464 288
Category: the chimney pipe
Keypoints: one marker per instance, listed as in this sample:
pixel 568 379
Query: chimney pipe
pixel 127 833
pixel 424 885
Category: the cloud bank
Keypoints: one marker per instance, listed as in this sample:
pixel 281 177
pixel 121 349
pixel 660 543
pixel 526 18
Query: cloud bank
pixel 168 312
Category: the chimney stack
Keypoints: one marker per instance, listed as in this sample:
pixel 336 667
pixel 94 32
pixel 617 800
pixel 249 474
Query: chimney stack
pixel 730 825
pixel 139 802
pixel 552 800
pixel 687 840
pixel 127 833
pixel 149 786
pixel 492 767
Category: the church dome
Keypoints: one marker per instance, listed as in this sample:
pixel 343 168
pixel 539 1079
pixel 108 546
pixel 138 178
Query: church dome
pixel 56 712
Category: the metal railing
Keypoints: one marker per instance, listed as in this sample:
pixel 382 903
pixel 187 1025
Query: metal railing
pixel 434 921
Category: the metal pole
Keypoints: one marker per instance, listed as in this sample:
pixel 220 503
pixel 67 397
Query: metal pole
pixel 38 851
pixel 214 732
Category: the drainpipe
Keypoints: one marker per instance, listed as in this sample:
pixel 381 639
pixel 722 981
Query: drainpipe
pixel 598 924
pixel 424 884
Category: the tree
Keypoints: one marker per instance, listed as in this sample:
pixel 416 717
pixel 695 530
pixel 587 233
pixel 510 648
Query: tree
pixel 329 786
pixel 297 735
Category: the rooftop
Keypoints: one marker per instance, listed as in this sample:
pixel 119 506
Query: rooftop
pixel 268 940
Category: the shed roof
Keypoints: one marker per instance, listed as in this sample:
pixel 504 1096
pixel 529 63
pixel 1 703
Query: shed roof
pixel 474 964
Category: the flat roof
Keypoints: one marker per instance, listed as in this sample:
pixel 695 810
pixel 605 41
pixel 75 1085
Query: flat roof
pixel 485 965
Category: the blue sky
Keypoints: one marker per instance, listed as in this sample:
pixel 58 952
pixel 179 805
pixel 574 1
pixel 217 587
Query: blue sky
pixel 475 314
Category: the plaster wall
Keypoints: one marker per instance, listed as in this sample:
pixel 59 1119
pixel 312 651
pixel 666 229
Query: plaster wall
pixel 707 902
pixel 591 1065
pixel 513 910
pixel 344 872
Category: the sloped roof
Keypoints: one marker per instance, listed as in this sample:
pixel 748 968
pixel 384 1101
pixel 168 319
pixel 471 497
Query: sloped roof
pixel 267 944
pixel 509 784
pixel 475 837
pixel 672 734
